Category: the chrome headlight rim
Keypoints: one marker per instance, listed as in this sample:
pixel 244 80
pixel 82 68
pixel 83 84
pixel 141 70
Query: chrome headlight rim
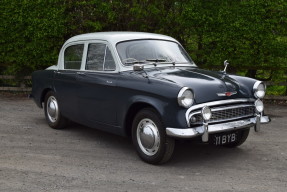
pixel 206 113
pixel 255 89
pixel 259 106
pixel 180 98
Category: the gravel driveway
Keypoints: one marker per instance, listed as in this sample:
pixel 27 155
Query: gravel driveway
pixel 37 158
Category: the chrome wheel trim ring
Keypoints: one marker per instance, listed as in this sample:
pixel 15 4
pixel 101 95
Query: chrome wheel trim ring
pixel 148 137
pixel 52 109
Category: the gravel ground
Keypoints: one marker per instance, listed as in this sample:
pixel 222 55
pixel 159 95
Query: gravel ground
pixel 37 158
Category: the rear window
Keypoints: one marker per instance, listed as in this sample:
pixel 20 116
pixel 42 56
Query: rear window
pixel 73 57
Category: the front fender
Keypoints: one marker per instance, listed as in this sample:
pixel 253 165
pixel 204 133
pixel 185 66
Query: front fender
pixel 170 113
pixel 156 103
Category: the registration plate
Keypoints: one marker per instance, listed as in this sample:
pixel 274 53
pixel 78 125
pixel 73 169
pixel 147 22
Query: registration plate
pixel 224 138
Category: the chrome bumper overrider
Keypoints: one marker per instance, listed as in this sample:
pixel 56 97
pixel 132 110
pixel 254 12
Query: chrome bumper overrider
pixel 206 129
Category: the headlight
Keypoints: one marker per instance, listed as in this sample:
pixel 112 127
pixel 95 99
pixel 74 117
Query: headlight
pixel 206 113
pixel 259 89
pixel 259 105
pixel 185 97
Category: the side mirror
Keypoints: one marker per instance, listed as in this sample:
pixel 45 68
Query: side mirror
pixel 138 67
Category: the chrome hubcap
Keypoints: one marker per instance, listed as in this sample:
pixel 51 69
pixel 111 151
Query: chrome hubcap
pixel 52 109
pixel 148 137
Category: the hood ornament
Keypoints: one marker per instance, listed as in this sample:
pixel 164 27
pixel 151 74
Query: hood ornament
pixel 225 66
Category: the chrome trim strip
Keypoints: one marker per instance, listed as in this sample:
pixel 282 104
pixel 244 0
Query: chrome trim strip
pixel 217 128
pixel 214 103
pixel 200 130
pixel 182 133
pixel 104 62
pixel 231 125
pixel 231 107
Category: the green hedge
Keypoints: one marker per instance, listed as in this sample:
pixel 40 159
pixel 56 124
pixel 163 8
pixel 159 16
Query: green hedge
pixel 250 34
pixel 31 34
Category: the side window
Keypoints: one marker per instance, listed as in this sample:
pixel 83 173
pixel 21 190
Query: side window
pixel 73 56
pixel 109 61
pixel 99 58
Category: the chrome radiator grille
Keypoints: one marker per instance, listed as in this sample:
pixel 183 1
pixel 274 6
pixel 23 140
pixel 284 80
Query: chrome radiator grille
pixel 224 113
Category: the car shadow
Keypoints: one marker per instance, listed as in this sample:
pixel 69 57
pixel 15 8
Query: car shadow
pixel 99 136
pixel 201 154
pixel 186 152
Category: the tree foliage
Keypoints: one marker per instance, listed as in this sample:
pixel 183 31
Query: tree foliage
pixel 31 34
pixel 250 34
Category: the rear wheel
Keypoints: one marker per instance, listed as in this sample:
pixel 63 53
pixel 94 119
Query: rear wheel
pixel 242 136
pixel 52 112
pixel 149 137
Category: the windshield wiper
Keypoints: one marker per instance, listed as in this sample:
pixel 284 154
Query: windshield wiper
pixel 134 62
pixel 149 62
pixel 162 61
pixel 156 60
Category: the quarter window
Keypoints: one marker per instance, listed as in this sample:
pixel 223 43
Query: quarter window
pixel 73 57
pixel 99 58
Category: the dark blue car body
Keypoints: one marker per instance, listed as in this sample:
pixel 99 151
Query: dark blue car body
pixel 110 98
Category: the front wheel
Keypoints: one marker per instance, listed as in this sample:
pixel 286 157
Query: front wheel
pixel 52 112
pixel 149 137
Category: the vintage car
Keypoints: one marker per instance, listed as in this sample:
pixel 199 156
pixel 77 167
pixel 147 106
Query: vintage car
pixel 145 86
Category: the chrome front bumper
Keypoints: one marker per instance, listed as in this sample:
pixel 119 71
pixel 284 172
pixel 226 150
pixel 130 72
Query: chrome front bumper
pixel 206 129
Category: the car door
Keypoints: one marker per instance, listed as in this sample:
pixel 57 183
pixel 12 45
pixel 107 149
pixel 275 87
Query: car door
pixel 65 79
pixel 97 86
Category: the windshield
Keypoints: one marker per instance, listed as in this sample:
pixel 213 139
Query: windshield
pixel 144 51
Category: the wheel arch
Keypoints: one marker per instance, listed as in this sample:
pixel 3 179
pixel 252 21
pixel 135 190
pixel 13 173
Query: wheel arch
pixel 43 95
pixel 132 111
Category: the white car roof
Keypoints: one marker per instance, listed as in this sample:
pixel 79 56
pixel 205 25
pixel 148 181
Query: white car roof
pixel 112 38
pixel 115 37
